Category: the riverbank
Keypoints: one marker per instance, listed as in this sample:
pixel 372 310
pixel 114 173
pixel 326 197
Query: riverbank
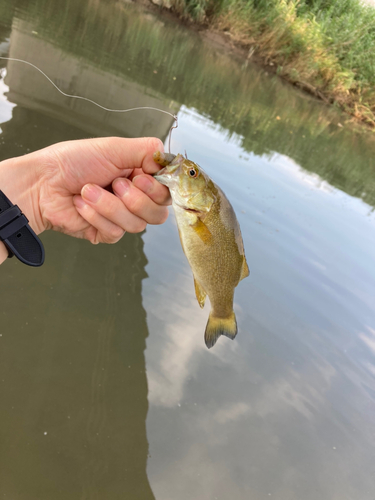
pixel 325 47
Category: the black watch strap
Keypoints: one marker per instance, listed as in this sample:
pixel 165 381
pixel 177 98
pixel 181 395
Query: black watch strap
pixel 17 235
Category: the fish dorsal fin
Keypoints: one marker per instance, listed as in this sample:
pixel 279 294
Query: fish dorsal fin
pixel 245 269
pixel 200 293
pixel 202 231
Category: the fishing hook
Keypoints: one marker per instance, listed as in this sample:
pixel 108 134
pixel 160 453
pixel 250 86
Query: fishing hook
pixel 170 132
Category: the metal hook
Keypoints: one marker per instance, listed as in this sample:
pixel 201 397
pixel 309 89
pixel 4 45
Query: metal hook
pixel 170 132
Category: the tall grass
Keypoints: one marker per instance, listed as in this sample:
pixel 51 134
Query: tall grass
pixel 324 46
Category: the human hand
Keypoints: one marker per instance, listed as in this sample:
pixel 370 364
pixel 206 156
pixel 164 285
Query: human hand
pixel 62 187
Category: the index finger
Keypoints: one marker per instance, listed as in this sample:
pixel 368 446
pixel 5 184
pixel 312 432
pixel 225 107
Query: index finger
pixel 157 192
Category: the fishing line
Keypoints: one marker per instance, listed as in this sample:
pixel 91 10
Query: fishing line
pixel 97 104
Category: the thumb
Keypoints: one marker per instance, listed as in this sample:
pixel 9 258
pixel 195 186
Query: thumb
pixel 130 153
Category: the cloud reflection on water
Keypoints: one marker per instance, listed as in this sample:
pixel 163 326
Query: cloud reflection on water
pixel 282 410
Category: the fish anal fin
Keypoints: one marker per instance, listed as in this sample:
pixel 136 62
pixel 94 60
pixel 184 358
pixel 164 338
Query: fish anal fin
pixel 202 231
pixel 220 326
pixel 245 269
pixel 200 293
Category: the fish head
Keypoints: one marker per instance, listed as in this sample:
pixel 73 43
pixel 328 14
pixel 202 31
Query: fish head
pixel 190 186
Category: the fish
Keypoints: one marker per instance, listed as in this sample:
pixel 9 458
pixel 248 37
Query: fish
pixel 210 237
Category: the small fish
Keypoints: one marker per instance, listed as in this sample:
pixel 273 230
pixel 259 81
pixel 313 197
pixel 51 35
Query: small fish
pixel 210 237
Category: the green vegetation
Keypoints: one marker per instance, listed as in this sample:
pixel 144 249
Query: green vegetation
pixel 326 47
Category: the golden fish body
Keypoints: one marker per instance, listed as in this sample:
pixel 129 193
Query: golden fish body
pixel 211 239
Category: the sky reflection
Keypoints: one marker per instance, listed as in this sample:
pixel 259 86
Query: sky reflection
pixel 284 410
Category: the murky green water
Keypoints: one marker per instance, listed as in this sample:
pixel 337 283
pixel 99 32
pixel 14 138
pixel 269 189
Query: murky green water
pixel 106 388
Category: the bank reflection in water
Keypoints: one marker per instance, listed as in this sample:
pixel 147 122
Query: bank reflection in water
pixel 77 76
pixel 74 389
pixel 73 386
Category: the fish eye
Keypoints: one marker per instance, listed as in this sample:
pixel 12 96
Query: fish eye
pixel 193 173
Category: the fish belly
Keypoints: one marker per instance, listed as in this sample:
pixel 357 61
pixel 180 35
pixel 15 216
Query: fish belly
pixel 215 262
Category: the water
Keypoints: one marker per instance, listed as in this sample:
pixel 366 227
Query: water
pixel 107 390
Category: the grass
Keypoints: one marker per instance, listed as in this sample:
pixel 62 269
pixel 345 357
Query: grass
pixel 326 47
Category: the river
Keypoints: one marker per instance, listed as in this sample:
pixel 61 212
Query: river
pixel 107 390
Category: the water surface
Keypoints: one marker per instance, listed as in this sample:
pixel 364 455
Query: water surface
pixel 107 389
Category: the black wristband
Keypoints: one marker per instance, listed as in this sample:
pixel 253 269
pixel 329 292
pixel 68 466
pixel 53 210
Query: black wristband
pixel 17 235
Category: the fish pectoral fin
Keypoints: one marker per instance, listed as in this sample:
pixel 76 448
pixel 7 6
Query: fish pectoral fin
pixel 200 293
pixel 202 231
pixel 245 269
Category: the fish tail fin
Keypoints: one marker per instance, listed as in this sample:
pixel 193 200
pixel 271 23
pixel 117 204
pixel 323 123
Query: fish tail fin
pixel 220 326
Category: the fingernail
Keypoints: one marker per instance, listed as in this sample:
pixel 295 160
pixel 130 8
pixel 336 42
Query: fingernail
pixel 91 193
pixel 121 186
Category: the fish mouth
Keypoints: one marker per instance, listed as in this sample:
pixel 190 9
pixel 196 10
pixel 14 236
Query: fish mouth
pixel 162 177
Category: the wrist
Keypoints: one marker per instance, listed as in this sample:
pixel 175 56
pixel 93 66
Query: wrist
pixel 20 182
pixel 3 252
